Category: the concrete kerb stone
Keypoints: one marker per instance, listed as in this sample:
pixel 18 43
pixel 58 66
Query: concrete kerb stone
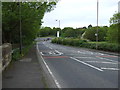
pixel 49 79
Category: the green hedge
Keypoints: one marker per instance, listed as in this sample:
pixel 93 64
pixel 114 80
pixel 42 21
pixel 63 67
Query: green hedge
pixel 113 47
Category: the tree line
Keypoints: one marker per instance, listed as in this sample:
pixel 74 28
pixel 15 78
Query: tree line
pixel 105 33
pixel 29 14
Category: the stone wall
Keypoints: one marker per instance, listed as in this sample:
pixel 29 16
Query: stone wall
pixel 6 55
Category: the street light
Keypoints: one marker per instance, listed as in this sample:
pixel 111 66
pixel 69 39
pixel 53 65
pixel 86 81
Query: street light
pixel 59 27
pixel 97 25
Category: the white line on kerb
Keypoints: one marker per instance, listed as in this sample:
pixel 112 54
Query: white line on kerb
pixel 86 64
pixel 56 82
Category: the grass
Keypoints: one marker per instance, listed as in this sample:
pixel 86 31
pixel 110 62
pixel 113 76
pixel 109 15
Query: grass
pixel 16 54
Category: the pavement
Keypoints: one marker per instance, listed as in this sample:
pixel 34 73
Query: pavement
pixel 24 73
pixel 72 67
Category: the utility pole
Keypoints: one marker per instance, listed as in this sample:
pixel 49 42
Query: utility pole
pixel 97 25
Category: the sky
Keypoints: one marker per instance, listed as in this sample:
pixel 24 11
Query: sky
pixel 80 13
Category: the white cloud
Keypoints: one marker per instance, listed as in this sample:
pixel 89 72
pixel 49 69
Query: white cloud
pixel 79 13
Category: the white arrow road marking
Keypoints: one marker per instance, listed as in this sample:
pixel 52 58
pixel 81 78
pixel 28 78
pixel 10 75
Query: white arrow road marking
pixel 60 53
pixel 86 64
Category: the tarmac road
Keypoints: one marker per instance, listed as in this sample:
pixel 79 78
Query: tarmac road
pixel 73 67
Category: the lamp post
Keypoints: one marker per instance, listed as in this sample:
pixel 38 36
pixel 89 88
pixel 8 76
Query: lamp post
pixel 97 25
pixel 59 27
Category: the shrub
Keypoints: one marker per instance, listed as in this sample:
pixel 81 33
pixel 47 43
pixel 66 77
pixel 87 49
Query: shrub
pixel 83 43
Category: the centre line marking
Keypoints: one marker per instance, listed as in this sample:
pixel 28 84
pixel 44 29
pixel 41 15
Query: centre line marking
pixel 87 64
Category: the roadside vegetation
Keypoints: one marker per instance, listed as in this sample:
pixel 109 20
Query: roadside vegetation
pixel 24 16
pixel 108 37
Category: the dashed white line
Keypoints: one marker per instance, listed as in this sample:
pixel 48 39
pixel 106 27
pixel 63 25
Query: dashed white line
pixel 87 64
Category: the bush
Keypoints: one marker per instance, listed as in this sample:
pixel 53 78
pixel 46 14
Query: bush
pixel 83 43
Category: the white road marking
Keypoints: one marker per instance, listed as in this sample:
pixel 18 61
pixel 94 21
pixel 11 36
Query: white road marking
pixel 101 62
pixel 106 59
pixel 55 80
pixel 101 53
pixel 86 64
pixel 50 53
pixel 109 68
pixel 41 53
pixel 81 52
pixel 86 57
pixel 60 53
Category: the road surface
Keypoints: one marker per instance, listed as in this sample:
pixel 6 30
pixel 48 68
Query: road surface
pixel 72 67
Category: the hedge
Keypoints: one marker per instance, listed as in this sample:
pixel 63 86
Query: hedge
pixel 105 46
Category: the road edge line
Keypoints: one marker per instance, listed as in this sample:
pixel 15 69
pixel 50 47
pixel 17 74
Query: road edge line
pixel 50 72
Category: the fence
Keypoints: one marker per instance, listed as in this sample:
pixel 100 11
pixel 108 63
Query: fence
pixel 6 55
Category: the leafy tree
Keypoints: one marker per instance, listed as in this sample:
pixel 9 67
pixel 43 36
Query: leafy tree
pixel 31 14
pixel 90 33
pixel 90 26
pixel 115 19
pixel 113 34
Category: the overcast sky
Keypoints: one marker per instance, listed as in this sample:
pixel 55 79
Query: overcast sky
pixel 80 13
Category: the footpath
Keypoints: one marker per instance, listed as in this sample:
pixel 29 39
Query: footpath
pixel 24 73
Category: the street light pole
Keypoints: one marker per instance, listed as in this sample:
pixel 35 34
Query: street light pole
pixel 97 24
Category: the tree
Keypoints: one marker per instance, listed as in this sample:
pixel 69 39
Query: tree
pixel 90 33
pixel 90 26
pixel 113 34
pixel 31 15
pixel 115 19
